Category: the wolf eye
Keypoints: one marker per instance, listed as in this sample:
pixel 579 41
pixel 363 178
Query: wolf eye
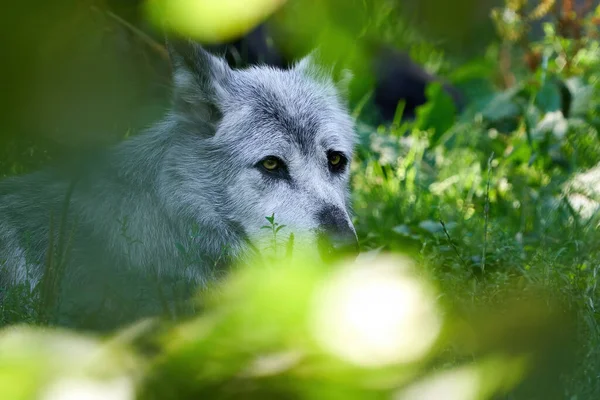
pixel 273 167
pixel 270 163
pixel 337 161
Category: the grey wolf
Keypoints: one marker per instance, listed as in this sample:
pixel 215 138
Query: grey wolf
pixel 187 198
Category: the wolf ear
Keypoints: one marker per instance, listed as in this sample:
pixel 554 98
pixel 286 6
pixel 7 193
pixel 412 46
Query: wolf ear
pixel 200 82
pixel 312 65
pixel 342 81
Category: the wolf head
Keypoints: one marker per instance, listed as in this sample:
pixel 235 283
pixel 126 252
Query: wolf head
pixel 262 142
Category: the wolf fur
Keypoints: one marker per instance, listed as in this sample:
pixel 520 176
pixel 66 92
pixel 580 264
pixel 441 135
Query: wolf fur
pixel 188 197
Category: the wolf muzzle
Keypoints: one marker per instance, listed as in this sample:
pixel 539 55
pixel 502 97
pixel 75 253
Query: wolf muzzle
pixel 336 237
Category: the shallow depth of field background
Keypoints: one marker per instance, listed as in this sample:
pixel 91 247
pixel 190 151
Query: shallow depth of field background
pixel 487 215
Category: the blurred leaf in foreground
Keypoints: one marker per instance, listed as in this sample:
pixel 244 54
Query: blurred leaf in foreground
pixel 53 364
pixel 374 328
pixel 210 21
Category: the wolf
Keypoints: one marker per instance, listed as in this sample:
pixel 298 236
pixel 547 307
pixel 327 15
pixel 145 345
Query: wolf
pixel 190 196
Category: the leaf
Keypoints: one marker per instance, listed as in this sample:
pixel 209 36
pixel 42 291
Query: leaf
pixel 581 96
pixel 210 21
pixel 502 105
pixel 279 228
pixel 271 218
pixel 438 114
pixel 431 226
pixel 290 245
pixel 548 98
pixel 403 230
pixel 450 225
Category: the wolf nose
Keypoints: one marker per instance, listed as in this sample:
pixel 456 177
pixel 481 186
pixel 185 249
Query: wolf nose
pixel 341 245
pixel 336 236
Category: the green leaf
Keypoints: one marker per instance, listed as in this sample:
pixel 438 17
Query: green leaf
pixel 582 96
pixel 438 114
pixel 271 218
pixel 431 226
pixel 290 245
pixel 403 230
pixel 548 98
pixel 502 105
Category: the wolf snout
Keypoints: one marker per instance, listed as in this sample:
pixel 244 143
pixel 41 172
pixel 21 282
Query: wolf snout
pixel 336 237
pixel 336 246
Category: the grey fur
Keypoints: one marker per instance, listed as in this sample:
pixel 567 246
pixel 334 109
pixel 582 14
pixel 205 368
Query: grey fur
pixel 133 209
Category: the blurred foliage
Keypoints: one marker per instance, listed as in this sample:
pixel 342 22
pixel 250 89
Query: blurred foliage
pixel 371 329
pixel 208 21
pixel 490 204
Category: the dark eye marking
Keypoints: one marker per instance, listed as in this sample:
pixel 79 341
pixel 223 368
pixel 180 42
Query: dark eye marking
pixel 336 161
pixel 273 167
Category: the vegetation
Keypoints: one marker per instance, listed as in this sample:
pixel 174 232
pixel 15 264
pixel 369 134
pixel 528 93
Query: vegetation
pixel 491 289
